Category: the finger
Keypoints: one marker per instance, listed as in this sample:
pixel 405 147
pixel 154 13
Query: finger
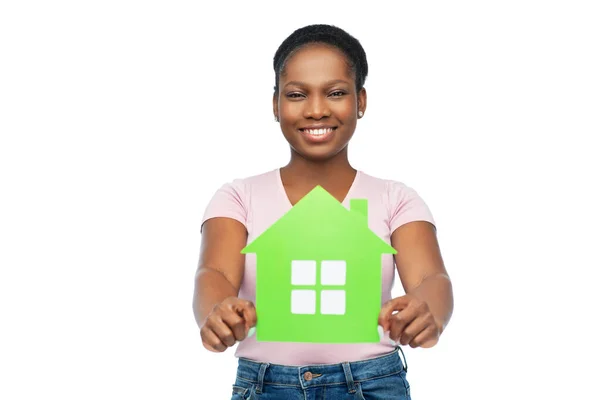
pixel 248 312
pixel 418 325
pixel 235 323
pixel 426 338
pixel 400 321
pixel 221 329
pixel 211 341
pixel 397 304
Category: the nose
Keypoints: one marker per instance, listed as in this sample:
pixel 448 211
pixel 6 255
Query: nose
pixel 316 108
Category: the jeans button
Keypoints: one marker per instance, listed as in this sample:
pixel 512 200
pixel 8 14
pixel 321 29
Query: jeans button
pixel 308 376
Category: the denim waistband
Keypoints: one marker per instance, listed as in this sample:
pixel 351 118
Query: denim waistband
pixel 346 373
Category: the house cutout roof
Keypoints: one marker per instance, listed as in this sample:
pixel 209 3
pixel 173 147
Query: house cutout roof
pixel 320 226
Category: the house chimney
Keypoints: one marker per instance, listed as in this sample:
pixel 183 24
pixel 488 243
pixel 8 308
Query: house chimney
pixel 361 207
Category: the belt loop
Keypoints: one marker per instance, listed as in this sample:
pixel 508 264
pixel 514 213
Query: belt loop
pixel 261 376
pixel 405 365
pixel 349 378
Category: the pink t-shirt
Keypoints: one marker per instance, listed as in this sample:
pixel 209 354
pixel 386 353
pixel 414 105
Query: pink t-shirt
pixel 259 201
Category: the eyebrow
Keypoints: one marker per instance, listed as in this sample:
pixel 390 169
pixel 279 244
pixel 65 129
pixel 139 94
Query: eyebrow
pixel 298 83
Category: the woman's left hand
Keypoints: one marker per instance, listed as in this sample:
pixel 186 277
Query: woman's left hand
pixel 414 324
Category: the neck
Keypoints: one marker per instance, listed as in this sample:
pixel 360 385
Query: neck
pixel 319 172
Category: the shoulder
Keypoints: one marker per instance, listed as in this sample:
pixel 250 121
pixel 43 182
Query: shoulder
pixel 244 186
pixel 392 189
pixel 402 201
pixel 233 199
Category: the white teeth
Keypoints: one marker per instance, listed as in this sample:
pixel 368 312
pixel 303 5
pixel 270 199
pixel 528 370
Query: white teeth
pixel 318 132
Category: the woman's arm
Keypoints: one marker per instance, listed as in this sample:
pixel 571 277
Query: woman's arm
pixel 426 308
pixel 220 315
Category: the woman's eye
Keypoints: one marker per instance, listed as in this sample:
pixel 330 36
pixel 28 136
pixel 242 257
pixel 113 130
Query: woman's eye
pixel 337 93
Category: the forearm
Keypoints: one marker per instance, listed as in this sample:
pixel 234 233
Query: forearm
pixel 211 288
pixel 436 291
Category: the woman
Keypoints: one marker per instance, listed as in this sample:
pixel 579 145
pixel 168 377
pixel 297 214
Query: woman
pixel 320 71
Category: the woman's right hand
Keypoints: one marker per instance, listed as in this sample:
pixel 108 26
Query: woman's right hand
pixel 228 323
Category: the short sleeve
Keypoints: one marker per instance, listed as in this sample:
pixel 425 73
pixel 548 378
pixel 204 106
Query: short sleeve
pixel 228 201
pixel 406 205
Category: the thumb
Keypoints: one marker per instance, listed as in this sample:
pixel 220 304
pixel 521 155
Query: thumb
pixel 248 312
pixel 397 304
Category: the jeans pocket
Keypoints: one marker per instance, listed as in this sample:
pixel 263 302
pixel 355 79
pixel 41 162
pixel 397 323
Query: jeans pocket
pixel 392 387
pixel 406 384
pixel 242 391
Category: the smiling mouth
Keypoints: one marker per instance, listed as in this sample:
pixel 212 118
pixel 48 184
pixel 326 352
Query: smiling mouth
pixel 320 135
pixel 318 132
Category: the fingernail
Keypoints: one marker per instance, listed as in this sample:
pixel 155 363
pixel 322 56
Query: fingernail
pixel 380 331
pixel 251 331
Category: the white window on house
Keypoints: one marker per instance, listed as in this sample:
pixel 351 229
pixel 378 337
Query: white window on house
pixel 333 273
pixel 303 301
pixel 329 286
pixel 333 302
pixel 304 272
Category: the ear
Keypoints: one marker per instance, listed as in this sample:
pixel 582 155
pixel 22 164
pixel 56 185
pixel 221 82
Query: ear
pixel 362 100
pixel 275 105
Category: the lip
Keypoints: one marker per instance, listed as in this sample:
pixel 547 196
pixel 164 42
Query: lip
pixel 317 139
pixel 318 126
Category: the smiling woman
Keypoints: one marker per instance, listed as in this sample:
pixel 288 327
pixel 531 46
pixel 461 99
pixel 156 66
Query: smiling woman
pixel 318 98
pixel 317 101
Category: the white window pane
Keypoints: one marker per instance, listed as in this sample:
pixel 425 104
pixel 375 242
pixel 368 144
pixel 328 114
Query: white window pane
pixel 333 272
pixel 304 301
pixel 333 302
pixel 304 272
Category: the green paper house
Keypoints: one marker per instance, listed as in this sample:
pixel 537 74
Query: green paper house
pixel 318 273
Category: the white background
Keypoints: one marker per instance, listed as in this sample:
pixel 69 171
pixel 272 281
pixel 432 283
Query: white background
pixel 119 120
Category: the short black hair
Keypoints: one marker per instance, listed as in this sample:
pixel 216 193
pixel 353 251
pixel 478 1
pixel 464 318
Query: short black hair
pixel 328 35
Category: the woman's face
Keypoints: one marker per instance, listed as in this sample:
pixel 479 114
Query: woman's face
pixel 317 103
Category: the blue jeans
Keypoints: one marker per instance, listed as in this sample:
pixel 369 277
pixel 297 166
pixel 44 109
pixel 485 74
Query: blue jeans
pixel 382 378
